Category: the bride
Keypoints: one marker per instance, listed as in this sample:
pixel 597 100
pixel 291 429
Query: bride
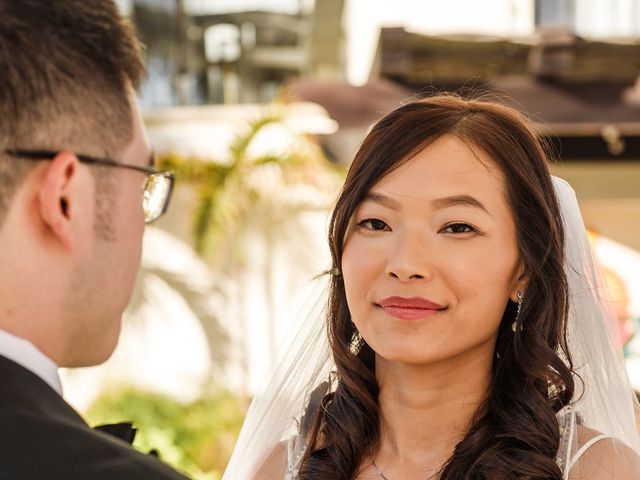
pixel 462 333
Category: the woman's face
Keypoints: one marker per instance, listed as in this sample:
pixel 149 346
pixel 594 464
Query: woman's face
pixel 431 258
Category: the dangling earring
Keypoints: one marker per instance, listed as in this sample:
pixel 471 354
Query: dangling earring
pixel 514 325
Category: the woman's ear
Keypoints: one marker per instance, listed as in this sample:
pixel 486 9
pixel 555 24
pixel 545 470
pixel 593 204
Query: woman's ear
pixel 521 281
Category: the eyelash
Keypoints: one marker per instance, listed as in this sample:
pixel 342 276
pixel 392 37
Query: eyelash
pixel 370 221
pixel 384 227
pixel 456 224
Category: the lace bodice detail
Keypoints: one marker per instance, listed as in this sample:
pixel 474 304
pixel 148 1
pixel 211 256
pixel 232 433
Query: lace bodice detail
pixel 295 450
pixel 567 419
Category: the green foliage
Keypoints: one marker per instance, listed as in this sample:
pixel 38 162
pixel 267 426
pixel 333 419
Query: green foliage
pixel 196 438
pixel 228 193
pixel 193 169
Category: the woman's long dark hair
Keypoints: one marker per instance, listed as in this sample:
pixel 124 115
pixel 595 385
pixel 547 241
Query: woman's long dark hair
pixel 515 435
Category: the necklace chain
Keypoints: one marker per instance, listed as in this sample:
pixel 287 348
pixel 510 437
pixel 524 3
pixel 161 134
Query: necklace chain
pixel 384 477
pixel 378 470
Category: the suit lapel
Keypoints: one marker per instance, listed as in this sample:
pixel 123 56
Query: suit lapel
pixel 22 389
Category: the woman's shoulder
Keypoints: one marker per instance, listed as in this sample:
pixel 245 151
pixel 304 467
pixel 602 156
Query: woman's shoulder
pixel 599 457
pixel 275 464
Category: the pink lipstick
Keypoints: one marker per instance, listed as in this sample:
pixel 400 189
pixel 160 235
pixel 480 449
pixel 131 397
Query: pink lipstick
pixel 414 308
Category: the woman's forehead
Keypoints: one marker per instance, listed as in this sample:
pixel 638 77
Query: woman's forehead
pixel 445 168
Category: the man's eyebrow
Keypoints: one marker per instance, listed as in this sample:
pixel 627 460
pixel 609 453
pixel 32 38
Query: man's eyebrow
pixel 459 200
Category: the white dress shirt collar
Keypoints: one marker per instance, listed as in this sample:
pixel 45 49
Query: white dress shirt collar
pixel 24 353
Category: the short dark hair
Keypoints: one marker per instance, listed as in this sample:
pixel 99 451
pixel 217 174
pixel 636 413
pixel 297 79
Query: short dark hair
pixel 66 71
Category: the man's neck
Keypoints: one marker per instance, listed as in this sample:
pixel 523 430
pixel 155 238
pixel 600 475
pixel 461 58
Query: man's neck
pixel 32 319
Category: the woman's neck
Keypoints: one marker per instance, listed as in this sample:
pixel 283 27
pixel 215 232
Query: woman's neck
pixel 427 409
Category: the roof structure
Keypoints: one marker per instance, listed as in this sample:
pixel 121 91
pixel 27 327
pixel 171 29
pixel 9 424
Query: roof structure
pixel 583 95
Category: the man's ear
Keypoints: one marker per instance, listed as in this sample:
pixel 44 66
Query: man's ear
pixel 56 197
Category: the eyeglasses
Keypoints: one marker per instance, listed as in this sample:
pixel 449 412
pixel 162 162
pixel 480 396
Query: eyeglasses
pixel 156 189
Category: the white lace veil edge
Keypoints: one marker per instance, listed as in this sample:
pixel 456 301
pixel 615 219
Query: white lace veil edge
pixel 604 398
pixel 302 364
pixel 608 403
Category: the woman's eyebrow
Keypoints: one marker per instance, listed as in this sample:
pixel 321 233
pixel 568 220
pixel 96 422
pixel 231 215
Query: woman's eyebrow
pixel 382 200
pixel 438 203
pixel 459 200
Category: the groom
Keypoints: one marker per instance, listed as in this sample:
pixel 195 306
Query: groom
pixel 73 158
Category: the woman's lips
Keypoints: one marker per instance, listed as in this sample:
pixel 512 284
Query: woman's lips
pixel 414 308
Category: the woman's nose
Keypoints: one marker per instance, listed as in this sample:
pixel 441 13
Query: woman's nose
pixel 410 260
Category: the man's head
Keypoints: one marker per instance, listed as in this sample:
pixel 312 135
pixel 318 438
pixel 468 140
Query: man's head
pixel 70 231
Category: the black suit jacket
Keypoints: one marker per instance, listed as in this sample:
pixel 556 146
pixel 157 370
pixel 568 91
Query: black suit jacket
pixel 42 437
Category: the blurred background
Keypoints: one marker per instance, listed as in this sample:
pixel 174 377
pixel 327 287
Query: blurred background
pixel 259 107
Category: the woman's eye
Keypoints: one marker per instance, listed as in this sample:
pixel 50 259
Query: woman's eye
pixel 459 228
pixel 373 224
